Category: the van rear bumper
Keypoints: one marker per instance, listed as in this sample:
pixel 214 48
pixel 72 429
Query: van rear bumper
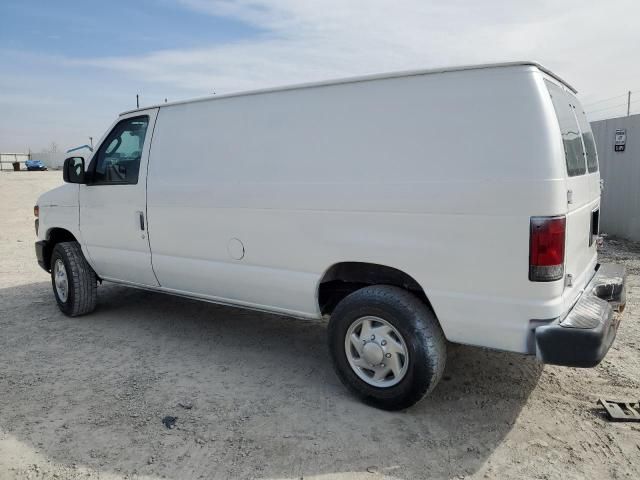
pixel 583 337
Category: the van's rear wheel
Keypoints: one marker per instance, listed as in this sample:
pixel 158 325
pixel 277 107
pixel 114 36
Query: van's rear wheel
pixel 74 281
pixel 387 346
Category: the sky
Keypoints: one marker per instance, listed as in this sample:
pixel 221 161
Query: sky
pixel 69 67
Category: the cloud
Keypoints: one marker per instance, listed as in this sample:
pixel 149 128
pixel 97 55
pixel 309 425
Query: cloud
pixel 589 43
pixel 314 40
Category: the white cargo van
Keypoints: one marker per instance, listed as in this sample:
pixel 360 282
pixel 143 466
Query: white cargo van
pixel 411 209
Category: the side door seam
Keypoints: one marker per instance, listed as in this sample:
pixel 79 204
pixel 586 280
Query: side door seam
pixel 146 195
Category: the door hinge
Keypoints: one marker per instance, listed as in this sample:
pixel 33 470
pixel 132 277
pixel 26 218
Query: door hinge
pixel 569 197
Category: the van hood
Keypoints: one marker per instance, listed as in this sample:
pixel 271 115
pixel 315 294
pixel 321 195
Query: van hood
pixel 63 196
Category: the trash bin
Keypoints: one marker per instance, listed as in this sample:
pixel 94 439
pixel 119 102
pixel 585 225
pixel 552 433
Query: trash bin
pixel 16 166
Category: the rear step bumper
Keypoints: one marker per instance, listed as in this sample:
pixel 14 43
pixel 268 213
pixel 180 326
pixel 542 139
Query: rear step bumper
pixel 584 336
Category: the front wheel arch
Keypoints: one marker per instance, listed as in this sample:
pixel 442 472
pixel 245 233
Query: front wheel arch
pixel 53 237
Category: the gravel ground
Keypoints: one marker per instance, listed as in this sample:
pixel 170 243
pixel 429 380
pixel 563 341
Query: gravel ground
pixel 85 397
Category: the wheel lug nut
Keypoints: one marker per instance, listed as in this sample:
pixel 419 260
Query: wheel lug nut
pixel 382 365
pixel 373 337
pixel 383 343
pixel 388 355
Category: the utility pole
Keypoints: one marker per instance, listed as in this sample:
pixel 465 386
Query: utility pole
pixel 629 103
pixel 137 101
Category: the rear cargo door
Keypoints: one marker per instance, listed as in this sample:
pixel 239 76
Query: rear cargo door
pixel 583 189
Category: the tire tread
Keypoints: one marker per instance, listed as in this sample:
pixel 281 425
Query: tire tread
pixel 83 287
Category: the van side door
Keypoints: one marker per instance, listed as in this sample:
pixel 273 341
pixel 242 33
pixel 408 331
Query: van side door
pixel 113 223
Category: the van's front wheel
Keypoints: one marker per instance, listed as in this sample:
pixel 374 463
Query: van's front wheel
pixel 74 281
pixel 387 346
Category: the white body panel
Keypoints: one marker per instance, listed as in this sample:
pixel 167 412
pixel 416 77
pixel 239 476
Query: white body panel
pixel 434 174
pixel 59 209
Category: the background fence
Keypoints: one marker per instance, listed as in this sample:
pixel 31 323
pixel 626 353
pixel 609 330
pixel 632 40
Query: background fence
pixel 53 160
pixel 620 170
pixel 7 160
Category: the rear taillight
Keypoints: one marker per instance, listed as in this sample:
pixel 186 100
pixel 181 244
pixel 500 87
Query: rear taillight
pixel 546 248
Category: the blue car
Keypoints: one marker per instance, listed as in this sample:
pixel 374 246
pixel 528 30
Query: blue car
pixel 35 165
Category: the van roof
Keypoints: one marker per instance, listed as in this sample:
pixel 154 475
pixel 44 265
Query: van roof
pixel 362 78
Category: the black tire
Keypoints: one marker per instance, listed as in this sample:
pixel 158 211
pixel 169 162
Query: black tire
pixel 81 280
pixel 414 320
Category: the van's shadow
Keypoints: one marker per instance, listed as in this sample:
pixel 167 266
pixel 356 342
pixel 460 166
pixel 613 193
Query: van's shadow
pixel 266 403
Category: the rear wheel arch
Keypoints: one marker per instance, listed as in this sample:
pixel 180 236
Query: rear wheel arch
pixel 344 278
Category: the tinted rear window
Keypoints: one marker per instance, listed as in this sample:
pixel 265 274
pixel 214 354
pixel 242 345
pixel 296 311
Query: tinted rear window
pixel 587 138
pixel 571 138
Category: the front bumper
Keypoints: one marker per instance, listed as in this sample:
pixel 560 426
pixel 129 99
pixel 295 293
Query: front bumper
pixel 584 336
pixel 41 248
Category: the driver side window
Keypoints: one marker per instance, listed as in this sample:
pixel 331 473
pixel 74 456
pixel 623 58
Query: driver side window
pixel 118 159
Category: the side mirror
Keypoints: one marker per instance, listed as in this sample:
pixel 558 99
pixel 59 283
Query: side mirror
pixel 73 170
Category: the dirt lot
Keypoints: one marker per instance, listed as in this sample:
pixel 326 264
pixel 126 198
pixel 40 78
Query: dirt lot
pixel 84 397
